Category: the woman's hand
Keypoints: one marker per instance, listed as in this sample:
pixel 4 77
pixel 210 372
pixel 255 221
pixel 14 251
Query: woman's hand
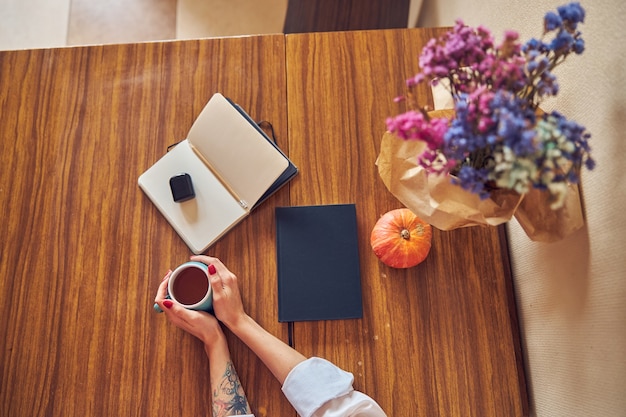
pixel 198 323
pixel 275 354
pixel 227 302
pixel 228 395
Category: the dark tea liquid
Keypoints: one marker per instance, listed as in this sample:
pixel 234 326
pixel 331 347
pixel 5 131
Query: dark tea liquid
pixel 190 286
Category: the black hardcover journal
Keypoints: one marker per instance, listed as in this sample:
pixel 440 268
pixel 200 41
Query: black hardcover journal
pixel 318 263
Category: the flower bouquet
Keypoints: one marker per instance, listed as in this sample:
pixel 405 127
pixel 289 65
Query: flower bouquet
pixel 478 163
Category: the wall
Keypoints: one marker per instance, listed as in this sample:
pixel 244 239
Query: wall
pixel 572 294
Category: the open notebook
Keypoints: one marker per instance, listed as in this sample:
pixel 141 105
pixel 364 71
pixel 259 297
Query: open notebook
pixel 233 167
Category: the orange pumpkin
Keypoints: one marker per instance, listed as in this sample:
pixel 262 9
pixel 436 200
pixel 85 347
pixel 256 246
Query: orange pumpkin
pixel 400 239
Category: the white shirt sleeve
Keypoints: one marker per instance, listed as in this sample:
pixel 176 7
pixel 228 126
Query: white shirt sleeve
pixel 318 388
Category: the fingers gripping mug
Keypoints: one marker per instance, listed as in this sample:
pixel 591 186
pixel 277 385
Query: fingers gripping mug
pixel 190 287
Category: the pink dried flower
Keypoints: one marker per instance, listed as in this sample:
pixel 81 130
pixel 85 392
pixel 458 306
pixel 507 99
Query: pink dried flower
pixel 495 135
pixel 413 125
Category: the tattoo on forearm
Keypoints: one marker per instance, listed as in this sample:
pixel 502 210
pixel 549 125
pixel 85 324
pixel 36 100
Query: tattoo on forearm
pixel 228 396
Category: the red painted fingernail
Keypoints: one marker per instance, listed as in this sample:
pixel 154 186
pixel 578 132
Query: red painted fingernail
pixel 168 303
pixel 212 269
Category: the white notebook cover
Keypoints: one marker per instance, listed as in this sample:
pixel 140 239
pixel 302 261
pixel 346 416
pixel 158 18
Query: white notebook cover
pixel 244 166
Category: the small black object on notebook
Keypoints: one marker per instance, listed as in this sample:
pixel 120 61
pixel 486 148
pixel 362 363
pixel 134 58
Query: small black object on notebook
pixel 182 187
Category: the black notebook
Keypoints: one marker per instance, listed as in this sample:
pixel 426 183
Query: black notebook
pixel 318 263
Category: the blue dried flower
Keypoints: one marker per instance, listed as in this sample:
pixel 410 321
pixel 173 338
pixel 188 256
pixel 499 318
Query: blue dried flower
pixel 563 149
pixel 473 180
pixel 547 85
pixel 579 46
pixel 562 42
pixel 496 139
pixel 552 21
pixel 573 13
pixel 534 45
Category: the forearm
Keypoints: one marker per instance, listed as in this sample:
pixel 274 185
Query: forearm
pixel 227 394
pixel 279 357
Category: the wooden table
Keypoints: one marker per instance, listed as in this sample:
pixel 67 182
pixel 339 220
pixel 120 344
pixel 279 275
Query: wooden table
pixel 83 250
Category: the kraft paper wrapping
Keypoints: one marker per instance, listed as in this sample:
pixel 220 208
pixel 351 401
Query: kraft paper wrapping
pixel 542 224
pixel 434 198
pixel 446 206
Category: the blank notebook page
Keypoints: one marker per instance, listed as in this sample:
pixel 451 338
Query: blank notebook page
pixel 236 150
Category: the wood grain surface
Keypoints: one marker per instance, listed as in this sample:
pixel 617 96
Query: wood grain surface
pixel 436 339
pixel 83 250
